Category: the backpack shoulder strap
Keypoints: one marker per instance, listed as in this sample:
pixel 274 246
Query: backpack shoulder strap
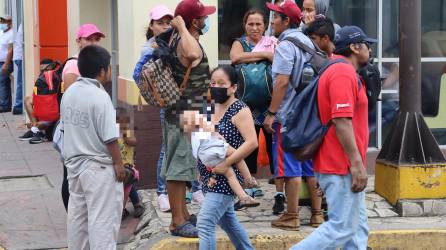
pixel 244 43
pixel 301 45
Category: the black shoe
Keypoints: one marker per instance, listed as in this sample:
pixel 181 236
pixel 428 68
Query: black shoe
pixel 138 210
pixel 272 181
pixel 17 111
pixel 38 138
pixel 125 214
pixel 279 204
pixel 3 110
pixel 27 136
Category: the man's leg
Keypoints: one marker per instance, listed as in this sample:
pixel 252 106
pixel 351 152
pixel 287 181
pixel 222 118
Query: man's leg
pixel 360 239
pixel 65 190
pixel 105 203
pixel 18 105
pixel 292 187
pixel 177 192
pixel 5 91
pixel 343 213
pixel 30 110
pixel 77 218
pixel 235 231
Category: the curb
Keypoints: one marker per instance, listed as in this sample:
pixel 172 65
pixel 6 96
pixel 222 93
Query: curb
pixel 381 239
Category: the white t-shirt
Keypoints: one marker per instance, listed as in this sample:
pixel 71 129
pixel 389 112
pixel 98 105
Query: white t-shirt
pixel 18 44
pixel 6 38
pixel 89 123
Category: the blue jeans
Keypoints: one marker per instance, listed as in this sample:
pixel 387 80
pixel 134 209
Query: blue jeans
pixel 19 86
pixel 347 217
pixel 161 182
pixel 219 209
pixel 5 88
pixel 133 195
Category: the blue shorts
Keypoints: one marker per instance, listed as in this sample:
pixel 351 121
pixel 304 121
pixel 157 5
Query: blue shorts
pixel 285 165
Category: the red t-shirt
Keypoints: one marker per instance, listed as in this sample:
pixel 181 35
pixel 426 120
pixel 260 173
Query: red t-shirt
pixel 339 95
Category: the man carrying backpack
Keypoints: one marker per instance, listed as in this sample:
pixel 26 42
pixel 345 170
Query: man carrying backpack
pixel 340 162
pixel 287 69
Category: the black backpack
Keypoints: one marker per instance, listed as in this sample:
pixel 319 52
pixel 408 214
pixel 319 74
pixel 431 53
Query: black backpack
pixel 372 78
pixel 317 62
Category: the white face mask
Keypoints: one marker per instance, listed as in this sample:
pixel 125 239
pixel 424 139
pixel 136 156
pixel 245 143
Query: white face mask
pixel 3 26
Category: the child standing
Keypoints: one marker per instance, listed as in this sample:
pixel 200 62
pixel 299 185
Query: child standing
pixel 127 146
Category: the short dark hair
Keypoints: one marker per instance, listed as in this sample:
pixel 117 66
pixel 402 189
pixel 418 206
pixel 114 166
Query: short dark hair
pixel 292 24
pixel 321 27
pixel 91 60
pixel 346 51
pixel 229 71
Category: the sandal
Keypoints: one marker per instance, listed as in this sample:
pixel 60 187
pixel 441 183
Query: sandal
pixel 254 192
pixel 248 201
pixel 187 230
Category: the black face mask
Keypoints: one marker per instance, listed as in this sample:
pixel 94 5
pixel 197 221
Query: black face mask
pixel 219 95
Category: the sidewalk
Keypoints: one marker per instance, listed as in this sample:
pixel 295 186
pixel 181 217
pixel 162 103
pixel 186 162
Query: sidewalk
pixel 33 217
pixel 388 230
pixel 32 213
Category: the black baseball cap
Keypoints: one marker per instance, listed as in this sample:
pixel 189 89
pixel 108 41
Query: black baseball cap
pixel 351 34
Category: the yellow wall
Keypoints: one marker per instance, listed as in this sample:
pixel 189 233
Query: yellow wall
pixel 97 12
pixel 133 19
pixel 31 48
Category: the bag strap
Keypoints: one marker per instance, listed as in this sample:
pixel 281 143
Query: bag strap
pixel 184 84
pixel 302 45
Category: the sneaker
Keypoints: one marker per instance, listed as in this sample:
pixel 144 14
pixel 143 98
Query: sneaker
pixel 288 221
pixel 138 210
pixel 279 204
pixel 163 203
pixel 197 197
pixel 27 136
pixel 17 111
pixel 272 181
pixel 39 137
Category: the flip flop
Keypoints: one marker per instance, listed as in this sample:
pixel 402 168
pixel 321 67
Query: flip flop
pixel 187 230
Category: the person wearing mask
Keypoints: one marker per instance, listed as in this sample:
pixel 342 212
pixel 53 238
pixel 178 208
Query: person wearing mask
pixel 18 59
pixel 95 167
pixel 6 53
pixel 237 128
pixel 340 162
pixel 287 69
pixel 253 47
pixel 179 165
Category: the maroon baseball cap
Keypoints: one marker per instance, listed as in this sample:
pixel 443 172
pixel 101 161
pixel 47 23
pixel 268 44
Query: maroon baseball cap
pixel 193 9
pixel 288 8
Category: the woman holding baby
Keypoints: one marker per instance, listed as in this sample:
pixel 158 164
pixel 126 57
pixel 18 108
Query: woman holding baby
pixel 233 121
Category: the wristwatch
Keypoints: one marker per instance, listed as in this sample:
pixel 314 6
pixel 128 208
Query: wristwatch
pixel 271 113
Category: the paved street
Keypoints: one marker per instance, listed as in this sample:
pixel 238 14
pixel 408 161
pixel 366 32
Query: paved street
pixel 33 216
pixel 32 213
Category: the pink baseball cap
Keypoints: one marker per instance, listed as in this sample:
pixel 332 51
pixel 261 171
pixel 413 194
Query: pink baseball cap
pixel 159 12
pixel 87 30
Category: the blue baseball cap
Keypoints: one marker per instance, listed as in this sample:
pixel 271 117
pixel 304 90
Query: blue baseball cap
pixel 351 34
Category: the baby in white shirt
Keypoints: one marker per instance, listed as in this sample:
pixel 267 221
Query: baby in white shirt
pixel 212 149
